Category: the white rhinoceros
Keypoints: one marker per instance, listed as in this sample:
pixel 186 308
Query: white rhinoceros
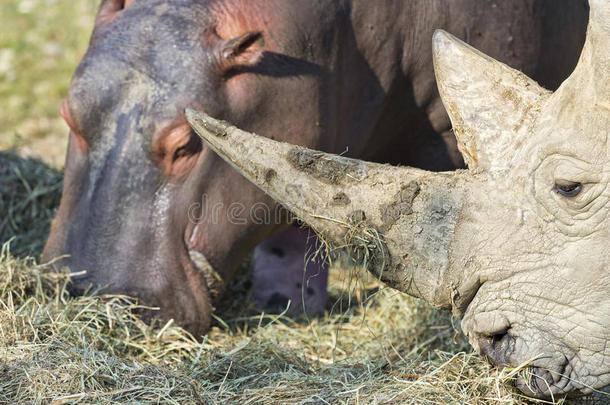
pixel 517 245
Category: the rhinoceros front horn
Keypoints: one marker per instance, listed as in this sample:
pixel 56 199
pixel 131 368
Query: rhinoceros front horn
pixel 397 221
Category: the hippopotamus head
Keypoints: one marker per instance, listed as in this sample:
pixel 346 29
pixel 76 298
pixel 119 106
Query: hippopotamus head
pixel 132 218
pixel 517 245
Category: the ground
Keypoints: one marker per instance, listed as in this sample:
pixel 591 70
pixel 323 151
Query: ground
pixel 372 345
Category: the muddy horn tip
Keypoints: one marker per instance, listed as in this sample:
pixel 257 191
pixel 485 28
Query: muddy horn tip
pixel 206 126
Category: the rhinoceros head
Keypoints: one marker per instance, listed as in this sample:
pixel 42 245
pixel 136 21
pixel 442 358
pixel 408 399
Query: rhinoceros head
pixel 531 246
pixel 517 245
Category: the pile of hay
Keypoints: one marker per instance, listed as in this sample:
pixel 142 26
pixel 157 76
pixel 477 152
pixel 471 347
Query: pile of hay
pixel 29 195
pixel 378 346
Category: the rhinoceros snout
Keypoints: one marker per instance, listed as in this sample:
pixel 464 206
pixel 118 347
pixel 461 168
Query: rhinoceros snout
pixel 532 378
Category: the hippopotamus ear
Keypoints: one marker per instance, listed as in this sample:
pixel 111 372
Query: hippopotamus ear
pixel 110 8
pixel 490 104
pixel 244 50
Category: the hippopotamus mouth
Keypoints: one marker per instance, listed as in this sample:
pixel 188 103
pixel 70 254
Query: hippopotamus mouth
pixel 213 279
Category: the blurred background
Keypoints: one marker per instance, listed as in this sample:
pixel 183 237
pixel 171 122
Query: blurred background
pixel 41 43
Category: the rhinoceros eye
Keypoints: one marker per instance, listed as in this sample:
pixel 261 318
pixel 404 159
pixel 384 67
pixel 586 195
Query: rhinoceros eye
pixel 567 188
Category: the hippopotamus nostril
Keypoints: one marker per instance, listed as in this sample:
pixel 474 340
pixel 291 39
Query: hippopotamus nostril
pixel 74 290
pixel 277 251
pixel 82 285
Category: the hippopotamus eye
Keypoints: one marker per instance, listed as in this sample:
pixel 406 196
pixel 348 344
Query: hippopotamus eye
pixel 192 145
pixel 175 149
pixel 568 188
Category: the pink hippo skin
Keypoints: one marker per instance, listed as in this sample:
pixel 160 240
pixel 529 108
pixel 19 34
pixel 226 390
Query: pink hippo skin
pixel 286 269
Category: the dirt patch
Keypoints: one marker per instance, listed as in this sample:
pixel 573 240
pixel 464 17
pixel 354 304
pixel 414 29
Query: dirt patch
pixel 270 174
pixel 340 199
pixel 402 205
pixel 328 168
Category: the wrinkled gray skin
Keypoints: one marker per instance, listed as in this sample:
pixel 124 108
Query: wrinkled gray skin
pixel 336 76
pixel 517 244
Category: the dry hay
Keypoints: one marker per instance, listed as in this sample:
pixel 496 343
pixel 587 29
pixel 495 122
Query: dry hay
pixel 374 345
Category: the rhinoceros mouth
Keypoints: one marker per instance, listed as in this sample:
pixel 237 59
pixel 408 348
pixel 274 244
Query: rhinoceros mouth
pixel 541 377
pixel 541 382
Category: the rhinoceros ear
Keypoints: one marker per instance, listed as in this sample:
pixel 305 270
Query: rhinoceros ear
pixel 490 104
pixel 244 50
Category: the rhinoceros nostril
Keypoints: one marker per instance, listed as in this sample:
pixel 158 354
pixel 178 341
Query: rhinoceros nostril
pixel 497 338
pixel 496 348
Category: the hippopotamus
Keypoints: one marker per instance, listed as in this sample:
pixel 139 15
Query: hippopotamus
pixel 147 210
pixel 517 245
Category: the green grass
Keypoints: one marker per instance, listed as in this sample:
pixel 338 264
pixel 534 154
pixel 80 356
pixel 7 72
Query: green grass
pixel 41 43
